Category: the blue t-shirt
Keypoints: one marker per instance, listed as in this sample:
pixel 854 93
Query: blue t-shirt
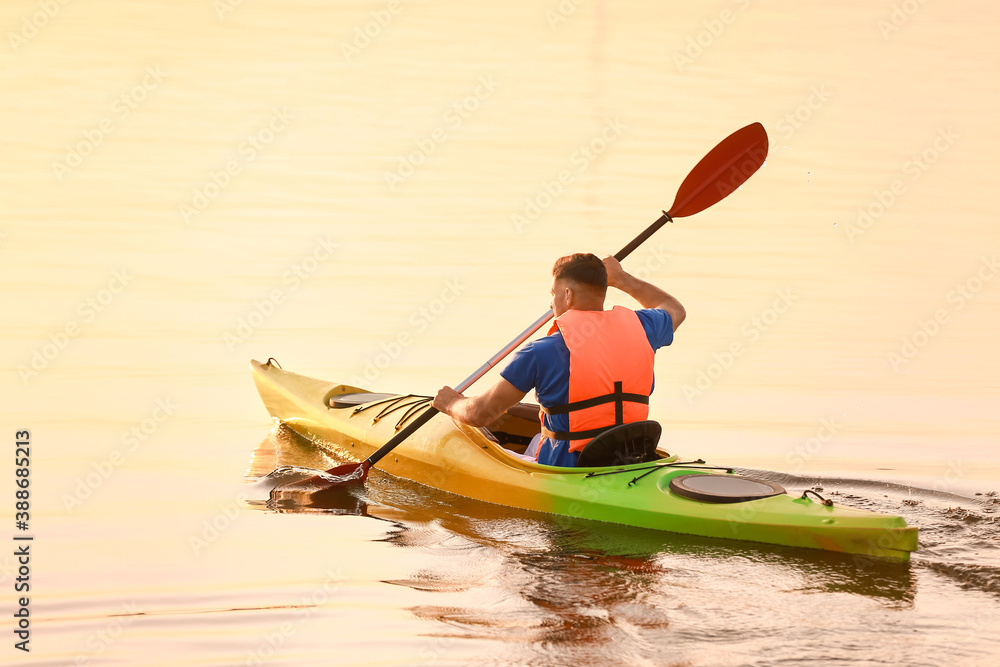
pixel 543 365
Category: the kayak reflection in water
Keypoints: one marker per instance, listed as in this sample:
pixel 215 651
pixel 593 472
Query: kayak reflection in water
pixel 595 368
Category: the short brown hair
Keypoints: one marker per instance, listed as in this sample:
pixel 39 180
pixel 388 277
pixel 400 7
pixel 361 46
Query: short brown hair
pixel 583 268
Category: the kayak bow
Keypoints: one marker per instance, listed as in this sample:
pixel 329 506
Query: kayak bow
pixel 662 495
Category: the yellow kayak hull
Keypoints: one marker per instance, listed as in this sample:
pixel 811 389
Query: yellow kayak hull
pixel 454 457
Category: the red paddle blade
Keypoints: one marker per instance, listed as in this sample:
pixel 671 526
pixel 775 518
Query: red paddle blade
pixel 724 169
pixel 348 473
pixel 342 475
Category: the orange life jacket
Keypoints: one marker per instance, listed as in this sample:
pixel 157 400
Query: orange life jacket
pixel 610 373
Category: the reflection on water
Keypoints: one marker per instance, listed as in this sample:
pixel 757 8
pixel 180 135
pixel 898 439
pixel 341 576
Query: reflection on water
pixel 949 522
pixel 553 589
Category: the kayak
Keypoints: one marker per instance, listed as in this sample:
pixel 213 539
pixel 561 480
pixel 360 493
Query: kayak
pixel 667 494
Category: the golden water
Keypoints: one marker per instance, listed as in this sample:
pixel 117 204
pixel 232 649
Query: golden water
pixel 189 185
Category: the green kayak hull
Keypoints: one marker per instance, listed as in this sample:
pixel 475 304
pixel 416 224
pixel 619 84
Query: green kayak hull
pixel 464 460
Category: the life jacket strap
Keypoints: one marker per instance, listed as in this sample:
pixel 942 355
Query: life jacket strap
pixel 574 435
pixel 618 397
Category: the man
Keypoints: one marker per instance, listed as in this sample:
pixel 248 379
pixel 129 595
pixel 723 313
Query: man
pixel 593 370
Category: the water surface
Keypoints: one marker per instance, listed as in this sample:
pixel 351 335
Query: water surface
pixel 191 185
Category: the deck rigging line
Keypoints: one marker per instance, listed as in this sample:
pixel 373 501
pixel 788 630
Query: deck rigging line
pixel 397 403
pixel 691 465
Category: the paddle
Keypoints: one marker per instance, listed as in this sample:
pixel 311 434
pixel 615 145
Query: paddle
pixel 725 168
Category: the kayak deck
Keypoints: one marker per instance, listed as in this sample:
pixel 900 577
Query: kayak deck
pixel 461 459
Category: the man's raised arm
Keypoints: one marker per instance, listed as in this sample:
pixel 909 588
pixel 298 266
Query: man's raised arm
pixel 648 295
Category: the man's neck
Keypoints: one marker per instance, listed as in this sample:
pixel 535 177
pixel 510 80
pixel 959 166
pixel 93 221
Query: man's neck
pixel 599 307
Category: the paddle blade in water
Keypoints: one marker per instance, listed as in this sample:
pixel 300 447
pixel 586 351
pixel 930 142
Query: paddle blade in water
pixel 724 169
pixel 348 473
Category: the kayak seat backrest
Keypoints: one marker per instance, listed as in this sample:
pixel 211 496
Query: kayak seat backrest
pixel 622 445
pixel 526 411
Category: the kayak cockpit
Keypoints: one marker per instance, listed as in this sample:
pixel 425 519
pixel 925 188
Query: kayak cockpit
pixel 515 428
pixel 620 445
pixel 514 431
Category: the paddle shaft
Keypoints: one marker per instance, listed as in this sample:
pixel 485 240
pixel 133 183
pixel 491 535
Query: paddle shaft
pixel 507 349
pixel 718 174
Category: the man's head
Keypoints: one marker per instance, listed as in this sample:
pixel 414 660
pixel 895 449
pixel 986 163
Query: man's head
pixel 579 282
